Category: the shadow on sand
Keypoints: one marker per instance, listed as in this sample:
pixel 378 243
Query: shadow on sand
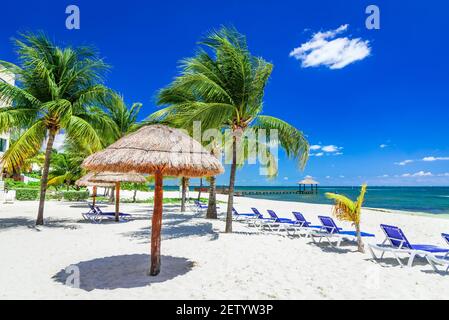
pixel 10 223
pixel 176 225
pixel 123 272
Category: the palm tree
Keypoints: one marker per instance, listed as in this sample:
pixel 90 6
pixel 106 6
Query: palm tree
pixel 56 87
pixel 65 169
pixel 224 88
pixel 347 210
pixel 123 120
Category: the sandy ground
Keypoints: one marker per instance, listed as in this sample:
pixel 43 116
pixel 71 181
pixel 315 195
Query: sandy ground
pixel 199 260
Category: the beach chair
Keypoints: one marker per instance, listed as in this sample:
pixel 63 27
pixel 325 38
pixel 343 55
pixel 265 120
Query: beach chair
pixel 199 206
pixel 91 215
pixel 303 225
pixel 396 243
pixel 258 220
pixel 280 224
pixel 435 260
pixel 111 215
pixel 329 230
pixel 96 215
pixel 242 216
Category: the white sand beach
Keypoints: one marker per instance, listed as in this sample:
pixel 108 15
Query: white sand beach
pixel 199 260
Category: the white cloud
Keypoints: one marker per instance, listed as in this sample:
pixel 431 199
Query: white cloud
pixel 331 148
pixel 446 174
pixel 418 174
pixel 342 176
pixel 328 177
pixel 431 159
pixel 403 163
pixel 319 154
pixel 315 147
pixel 285 178
pixel 383 146
pixel 324 48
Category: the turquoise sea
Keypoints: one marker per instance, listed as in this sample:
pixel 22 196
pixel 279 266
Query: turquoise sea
pixel 433 200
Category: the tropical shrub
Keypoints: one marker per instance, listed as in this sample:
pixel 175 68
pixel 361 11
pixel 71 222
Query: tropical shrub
pixel 27 194
pixel 75 195
pixel 347 210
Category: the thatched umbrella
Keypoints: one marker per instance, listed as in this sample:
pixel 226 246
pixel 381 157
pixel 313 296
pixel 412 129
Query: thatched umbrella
pixel 160 151
pixel 84 182
pixel 308 181
pixel 116 179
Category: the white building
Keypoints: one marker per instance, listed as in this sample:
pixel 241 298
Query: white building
pixel 4 137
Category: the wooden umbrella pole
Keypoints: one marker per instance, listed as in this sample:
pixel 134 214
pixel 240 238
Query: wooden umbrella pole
pixel 156 225
pixel 117 201
pixel 94 195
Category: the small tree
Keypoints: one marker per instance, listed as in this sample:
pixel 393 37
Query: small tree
pixel 347 210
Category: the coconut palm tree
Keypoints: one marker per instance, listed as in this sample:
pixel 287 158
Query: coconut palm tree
pixel 123 119
pixel 56 89
pixel 223 87
pixel 65 169
pixel 347 210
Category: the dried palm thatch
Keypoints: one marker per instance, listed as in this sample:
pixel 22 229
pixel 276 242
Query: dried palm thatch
pixel 156 148
pixel 308 181
pixel 85 182
pixel 114 177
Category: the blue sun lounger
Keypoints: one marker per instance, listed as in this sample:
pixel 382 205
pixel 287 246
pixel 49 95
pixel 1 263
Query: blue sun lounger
pixel 396 243
pixel 96 215
pixel 199 206
pixel 303 225
pixel 239 216
pixel 329 230
pixel 280 224
pixel 435 260
pixel 259 220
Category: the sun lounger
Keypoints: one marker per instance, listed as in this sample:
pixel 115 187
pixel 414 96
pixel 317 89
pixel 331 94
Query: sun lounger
pixel 435 260
pixel 396 243
pixel 303 225
pixel 96 215
pixel 242 216
pixel 329 230
pixel 199 206
pixel 258 220
pixel 280 224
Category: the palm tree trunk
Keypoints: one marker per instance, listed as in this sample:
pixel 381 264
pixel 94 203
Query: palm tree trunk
pixel 111 195
pixel 360 245
pixel 212 205
pixel 44 180
pixel 201 187
pixel 231 186
pixel 183 196
pixel 156 225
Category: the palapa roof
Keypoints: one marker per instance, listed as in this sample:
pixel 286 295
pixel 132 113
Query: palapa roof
pixel 308 180
pixel 84 182
pixel 113 177
pixel 153 148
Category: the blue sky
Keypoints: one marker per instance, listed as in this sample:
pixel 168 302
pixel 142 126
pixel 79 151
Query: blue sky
pixel 397 96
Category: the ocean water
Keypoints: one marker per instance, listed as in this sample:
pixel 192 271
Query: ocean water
pixel 431 200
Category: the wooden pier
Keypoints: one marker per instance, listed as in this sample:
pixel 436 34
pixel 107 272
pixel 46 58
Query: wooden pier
pixel 242 193
pixel 265 192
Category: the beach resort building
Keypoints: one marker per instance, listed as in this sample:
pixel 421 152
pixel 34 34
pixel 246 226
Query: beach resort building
pixel 4 137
